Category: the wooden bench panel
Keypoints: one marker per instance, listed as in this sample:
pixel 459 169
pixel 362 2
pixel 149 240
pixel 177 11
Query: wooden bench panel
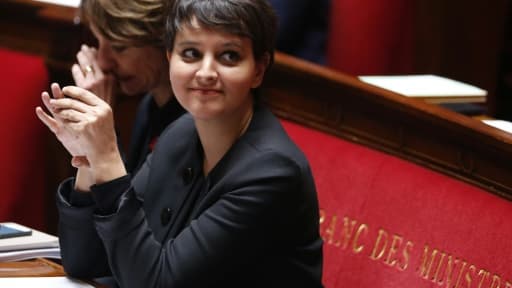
pixel 338 104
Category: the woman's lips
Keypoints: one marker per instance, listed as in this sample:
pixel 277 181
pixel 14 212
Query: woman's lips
pixel 206 91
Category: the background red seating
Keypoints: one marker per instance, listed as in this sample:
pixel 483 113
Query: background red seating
pixel 371 37
pixel 22 145
pixel 433 229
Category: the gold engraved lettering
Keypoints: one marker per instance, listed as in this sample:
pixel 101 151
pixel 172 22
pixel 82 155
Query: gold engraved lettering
pixel 383 236
pixel 330 231
pixel 427 261
pixel 464 263
pixel 482 274
pixel 395 244
pixel 471 271
pixel 394 255
pixel 322 216
pixel 436 277
pixel 496 281
pixel 450 265
pixel 358 248
pixel 321 221
pixel 406 252
pixel 348 230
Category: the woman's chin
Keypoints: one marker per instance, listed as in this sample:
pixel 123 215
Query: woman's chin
pixel 129 89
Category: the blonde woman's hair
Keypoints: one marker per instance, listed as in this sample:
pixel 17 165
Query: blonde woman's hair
pixel 130 22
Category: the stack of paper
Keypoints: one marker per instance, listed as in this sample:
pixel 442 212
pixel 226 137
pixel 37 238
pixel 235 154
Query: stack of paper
pixel 42 282
pixel 430 88
pixel 69 3
pixel 500 124
pixel 36 245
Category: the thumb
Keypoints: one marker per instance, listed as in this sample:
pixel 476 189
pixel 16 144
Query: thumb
pixel 80 162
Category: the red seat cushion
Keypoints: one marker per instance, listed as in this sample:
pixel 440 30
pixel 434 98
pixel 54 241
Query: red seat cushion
pixel 22 148
pixel 387 222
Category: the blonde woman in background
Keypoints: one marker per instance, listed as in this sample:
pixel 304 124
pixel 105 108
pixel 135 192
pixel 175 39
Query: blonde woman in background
pixel 130 57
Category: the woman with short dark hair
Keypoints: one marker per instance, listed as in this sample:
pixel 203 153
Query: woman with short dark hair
pixel 226 199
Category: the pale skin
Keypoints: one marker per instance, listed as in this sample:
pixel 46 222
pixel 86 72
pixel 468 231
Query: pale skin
pixel 134 69
pixel 212 74
pixel 84 124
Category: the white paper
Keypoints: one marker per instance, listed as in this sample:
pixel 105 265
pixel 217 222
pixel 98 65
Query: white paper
pixel 19 255
pixel 69 3
pixel 37 240
pixel 500 124
pixel 43 282
pixel 427 86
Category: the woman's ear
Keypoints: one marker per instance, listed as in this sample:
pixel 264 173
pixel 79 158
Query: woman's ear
pixel 168 53
pixel 261 68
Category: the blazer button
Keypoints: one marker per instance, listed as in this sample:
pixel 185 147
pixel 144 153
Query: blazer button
pixel 165 216
pixel 188 175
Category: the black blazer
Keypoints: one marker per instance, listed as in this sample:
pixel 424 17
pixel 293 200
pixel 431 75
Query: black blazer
pixel 149 122
pixel 254 221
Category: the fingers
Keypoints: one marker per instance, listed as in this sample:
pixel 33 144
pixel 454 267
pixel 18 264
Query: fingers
pixel 69 115
pixel 92 54
pixel 86 72
pixel 80 162
pixel 46 101
pixel 78 75
pixel 56 91
pixel 82 95
pixel 57 105
pixel 46 119
pixel 87 60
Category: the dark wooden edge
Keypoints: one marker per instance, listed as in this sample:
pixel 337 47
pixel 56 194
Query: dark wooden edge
pixel 31 268
pixel 426 134
pixel 40 28
pixel 39 267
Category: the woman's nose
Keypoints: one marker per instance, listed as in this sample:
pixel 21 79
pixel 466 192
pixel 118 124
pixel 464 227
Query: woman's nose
pixel 207 73
pixel 106 59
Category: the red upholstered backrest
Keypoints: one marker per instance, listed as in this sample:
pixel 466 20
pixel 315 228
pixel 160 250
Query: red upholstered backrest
pixel 22 148
pixel 387 222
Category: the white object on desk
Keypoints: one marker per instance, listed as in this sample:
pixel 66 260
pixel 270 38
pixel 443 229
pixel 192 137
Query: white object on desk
pixel 36 240
pixel 19 255
pixel 43 282
pixel 36 245
pixel 500 124
pixel 430 88
pixel 69 3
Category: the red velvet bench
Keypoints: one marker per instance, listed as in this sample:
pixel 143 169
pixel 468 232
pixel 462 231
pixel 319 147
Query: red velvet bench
pixel 387 222
pixel 411 195
pixel 23 146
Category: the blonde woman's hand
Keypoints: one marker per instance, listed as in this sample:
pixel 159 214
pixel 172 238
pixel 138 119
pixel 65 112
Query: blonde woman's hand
pixel 88 75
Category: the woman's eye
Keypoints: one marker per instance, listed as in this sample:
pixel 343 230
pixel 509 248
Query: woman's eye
pixel 119 48
pixel 190 54
pixel 230 57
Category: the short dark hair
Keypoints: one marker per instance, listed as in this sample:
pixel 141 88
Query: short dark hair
pixel 254 19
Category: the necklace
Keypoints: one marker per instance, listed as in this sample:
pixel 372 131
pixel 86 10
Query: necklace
pixel 246 124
